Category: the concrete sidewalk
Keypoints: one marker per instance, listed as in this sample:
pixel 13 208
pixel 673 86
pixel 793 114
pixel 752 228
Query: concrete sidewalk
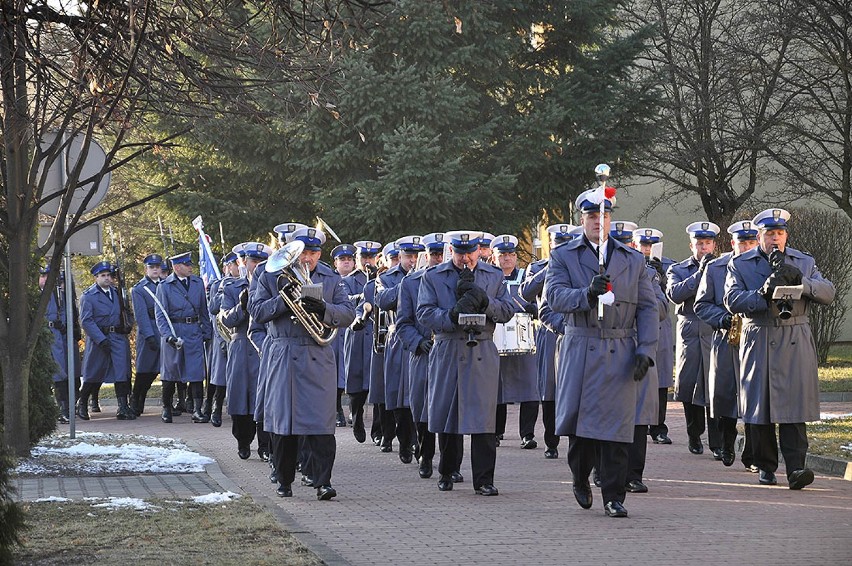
pixel 696 510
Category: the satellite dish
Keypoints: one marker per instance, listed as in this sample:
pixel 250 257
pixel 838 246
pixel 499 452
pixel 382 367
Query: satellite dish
pixel 55 176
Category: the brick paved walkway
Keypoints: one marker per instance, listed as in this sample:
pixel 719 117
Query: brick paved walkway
pixel 696 510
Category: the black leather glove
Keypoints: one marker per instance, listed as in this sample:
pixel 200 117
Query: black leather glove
pixel 244 300
pixel 152 343
pixel 359 324
pixel 478 299
pixel 60 326
pixel 598 286
pixel 172 341
pixel 641 364
pixel 769 286
pixel 531 308
pixel 425 346
pixel 315 306
pixel 104 345
pixel 789 275
pixel 463 306
pixel 658 266
pixel 465 282
pixel 776 257
pixel 727 320
pixel 702 265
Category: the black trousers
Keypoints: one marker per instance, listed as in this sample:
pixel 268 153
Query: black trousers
pixel 483 456
pixel 792 439
pixel 728 432
pixel 122 388
pixel 376 428
pixel 637 452
pixel 60 390
pixel 264 439
pixel 243 428
pixel 660 427
pixel 321 449
pixel 339 399
pixel 142 384
pixel 501 419
pixel 527 418
pixel 388 426
pixel 695 424
pixel 405 431
pixel 613 464
pixel 747 457
pixel 426 441
pixel 548 417
pixel 356 407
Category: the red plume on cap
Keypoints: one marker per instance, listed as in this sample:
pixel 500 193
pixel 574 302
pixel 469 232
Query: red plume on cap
pixel 609 192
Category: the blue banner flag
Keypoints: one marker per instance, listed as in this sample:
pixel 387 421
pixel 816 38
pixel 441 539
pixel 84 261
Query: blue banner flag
pixel 208 268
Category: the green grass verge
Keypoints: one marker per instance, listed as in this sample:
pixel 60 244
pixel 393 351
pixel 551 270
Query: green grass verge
pixel 827 438
pixel 238 532
pixel 836 374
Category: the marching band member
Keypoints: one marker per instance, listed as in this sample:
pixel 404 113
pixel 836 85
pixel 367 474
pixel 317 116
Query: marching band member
pixel 600 361
pixel 694 339
pixel 622 230
pixel 107 356
pixel 56 321
pixel 343 257
pixel 384 425
pixel 546 337
pixel 724 357
pixel 485 253
pixel 302 382
pixel 518 383
pixel 417 342
pixel 464 373
pixel 242 363
pixel 182 357
pixel 147 336
pixel 217 356
pixel 644 239
pixel 396 358
pixel 358 338
pixel 778 359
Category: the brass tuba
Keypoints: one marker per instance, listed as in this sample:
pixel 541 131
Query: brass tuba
pixel 291 281
pixel 226 333
pixel 736 330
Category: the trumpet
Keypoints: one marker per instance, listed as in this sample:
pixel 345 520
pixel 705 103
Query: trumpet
pixel 382 323
pixel 294 280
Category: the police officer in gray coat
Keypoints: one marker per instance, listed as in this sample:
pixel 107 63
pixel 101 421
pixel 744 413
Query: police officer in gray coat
pixel 184 303
pixel 302 381
pixel 724 357
pixel 343 257
pixel 778 359
pixel 600 361
pixel 147 336
pixel 56 321
pixel 694 339
pixel 107 358
pixel 464 375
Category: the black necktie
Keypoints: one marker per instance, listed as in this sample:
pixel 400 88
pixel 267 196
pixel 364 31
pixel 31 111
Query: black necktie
pixel 185 283
pixel 109 294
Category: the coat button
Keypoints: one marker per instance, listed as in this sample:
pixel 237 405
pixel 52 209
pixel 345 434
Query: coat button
pixel 772 343
pixel 592 348
pixel 612 351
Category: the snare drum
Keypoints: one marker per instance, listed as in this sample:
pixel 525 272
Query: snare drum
pixel 515 337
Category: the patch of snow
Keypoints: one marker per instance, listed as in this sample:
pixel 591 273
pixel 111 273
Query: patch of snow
pixel 847 447
pixel 51 498
pixel 124 502
pixel 829 416
pixel 218 497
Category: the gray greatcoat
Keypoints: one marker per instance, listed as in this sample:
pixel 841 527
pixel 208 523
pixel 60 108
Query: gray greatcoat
pixel 518 373
pixel 666 345
pixel 242 362
pixel 357 344
pixel 218 355
pixel 463 380
pixel 376 390
pixel 191 320
pixel 99 317
pixel 301 387
pixel 56 321
pixel 694 336
pixel 145 314
pixel 777 358
pixel 724 360
pixel 647 395
pixel 395 358
pixel 410 333
pixel 258 337
pixel 596 396
pixel 546 334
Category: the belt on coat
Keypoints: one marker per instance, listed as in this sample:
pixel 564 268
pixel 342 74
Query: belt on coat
pixel 184 319
pixel 462 335
pixel 776 321
pixel 300 340
pixel 108 329
pixel 600 332
pixel 52 324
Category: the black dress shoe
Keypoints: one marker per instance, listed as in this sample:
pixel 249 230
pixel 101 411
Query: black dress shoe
pixel 457 477
pixel 405 457
pixel 499 438
pixel 386 449
pixel 166 417
pixel 717 454
pixel 445 484
pixel 661 438
pixel 273 476
pixel 767 478
pixel 341 419
pixel 326 492
pixel 551 453
pixel 583 494
pixel 636 486
pixel 800 478
pixel 284 491
pixel 83 412
pixel 377 440
pixel 359 432
pixel 244 453
pixel 307 482
pixel 752 468
pixel 728 457
pixel 529 443
pixel 263 454
pixel 425 470
pixel 596 477
pixel 487 490
pixel 614 509
pixel 695 446
pixel 96 408
pixel 216 419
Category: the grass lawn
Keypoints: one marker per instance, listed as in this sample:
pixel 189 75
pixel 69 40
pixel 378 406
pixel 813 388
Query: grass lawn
pixel 237 532
pixel 827 438
pixel 836 375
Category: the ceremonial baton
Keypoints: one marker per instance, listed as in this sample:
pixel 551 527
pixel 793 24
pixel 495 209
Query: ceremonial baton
pixel 179 343
pixel 602 174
